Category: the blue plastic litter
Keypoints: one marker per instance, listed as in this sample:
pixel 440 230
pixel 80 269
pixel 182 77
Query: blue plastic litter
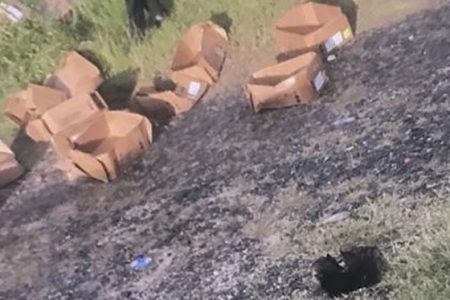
pixel 141 263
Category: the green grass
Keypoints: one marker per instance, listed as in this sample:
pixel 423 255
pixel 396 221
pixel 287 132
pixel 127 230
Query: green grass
pixel 29 51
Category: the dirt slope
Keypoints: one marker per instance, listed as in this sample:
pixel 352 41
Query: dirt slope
pixel 222 200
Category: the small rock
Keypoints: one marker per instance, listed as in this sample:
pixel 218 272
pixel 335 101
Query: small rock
pixel 339 217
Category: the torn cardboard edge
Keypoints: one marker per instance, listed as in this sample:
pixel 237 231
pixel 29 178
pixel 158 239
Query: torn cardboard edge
pixel 29 104
pixel 10 169
pixel 104 146
pixel 312 27
pixel 296 81
pixel 75 75
pixel 201 52
pixel 71 112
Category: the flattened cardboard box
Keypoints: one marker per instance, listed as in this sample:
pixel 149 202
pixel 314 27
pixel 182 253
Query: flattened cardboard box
pixel 75 75
pixel 108 144
pixel 31 103
pixel 312 27
pixel 201 53
pixel 289 83
pixel 10 169
pixel 73 111
pixel 187 93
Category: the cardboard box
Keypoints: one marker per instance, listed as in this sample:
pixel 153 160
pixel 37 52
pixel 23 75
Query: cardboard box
pixel 312 27
pixel 73 111
pixel 159 105
pixel 289 83
pixel 201 53
pixel 75 75
pixel 12 11
pixel 108 144
pixel 31 103
pixel 10 169
pixel 59 9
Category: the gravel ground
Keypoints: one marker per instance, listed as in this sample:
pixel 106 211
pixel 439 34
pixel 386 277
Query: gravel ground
pixel 220 200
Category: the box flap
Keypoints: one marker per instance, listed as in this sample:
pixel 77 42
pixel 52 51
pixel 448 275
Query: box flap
pixel 5 150
pixel 73 111
pixel 308 25
pixel 75 75
pixel 29 104
pixel 37 131
pixel 10 170
pixel 89 165
pixel 16 109
pixel 275 74
pixel 202 47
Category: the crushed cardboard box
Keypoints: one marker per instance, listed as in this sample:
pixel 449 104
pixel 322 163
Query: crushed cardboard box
pixel 201 53
pixel 312 27
pixel 108 143
pixel 164 104
pixel 31 103
pixel 75 75
pixel 10 169
pixel 73 111
pixel 12 11
pixel 289 83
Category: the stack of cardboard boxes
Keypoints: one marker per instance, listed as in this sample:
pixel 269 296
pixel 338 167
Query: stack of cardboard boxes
pixel 68 112
pixel 309 32
pixel 196 66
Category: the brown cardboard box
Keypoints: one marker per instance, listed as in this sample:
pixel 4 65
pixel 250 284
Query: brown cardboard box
pixel 201 53
pixel 12 11
pixel 10 169
pixel 59 8
pixel 189 87
pixel 110 142
pixel 162 105
pixel 312 27
pixel 75 75
pixel 73 111
pixel 289 83
pixel 31 103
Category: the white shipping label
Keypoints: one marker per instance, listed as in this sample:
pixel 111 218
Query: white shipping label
pixel 334 41
pixel 194 88
pixel 13 13
pixel 319 81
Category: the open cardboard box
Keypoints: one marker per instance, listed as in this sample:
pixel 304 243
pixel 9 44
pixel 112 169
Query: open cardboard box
pixel 312 27
pixel 10 169
pixel 289 83
pixel 31 103
pixel 102 147
pixel 75 75
pixel 201 53
pixel 73 111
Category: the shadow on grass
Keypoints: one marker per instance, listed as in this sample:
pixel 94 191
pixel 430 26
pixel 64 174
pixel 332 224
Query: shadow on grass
pixel 118 89
pixel 223 20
